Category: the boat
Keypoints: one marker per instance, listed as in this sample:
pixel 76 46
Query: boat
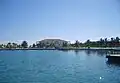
pixel 114 57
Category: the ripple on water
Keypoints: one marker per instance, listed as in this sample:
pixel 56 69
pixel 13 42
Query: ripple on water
pixel 56 67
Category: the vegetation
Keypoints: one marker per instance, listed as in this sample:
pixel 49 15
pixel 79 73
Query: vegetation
pixel 113 42
pixel 57 43
pixel 24 44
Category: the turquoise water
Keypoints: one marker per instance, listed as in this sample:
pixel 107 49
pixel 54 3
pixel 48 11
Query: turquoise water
pixel 34 66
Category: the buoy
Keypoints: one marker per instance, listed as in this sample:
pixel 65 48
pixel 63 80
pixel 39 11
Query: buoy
pixel 100 78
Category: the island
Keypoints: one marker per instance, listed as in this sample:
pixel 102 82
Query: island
pixel 59 44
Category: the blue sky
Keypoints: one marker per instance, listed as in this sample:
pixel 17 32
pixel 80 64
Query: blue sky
pixel 66 19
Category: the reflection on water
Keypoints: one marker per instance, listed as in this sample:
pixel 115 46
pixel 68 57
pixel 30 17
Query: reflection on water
pixel 112 63
pixel 92 52
pixel 76 52
pixel 98 53
pixel 89 52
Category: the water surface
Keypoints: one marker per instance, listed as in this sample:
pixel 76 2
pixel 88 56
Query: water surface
pixel 52 66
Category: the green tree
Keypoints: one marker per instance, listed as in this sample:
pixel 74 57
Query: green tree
pixel 9 45
pixel 24 44
pixel 14 45
pixel 40 45
pixel 1 46
pixel 65 44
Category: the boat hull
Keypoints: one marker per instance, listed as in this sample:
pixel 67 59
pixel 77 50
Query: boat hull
pixel 113 58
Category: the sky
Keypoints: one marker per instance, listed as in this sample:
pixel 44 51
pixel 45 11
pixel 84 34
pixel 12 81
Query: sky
pixel 33 20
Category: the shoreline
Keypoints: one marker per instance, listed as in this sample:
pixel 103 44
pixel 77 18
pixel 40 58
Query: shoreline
pixel 113 49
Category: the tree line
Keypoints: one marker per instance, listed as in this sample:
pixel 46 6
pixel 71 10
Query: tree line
pixel 24 44
pixel 112 42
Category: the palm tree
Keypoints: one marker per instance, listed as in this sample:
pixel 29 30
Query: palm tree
pixel 77 43
pixel 106 42
pixel 112 42
pixel 33 46
pixel 112 39
pixel 117 41
pixel 101 42
pixel 88 43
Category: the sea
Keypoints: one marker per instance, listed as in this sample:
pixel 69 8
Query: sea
pixel 57 66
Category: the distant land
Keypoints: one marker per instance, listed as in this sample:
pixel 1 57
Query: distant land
pixel 63 44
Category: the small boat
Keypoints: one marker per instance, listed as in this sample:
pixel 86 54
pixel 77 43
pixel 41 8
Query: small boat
pixel 113 57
